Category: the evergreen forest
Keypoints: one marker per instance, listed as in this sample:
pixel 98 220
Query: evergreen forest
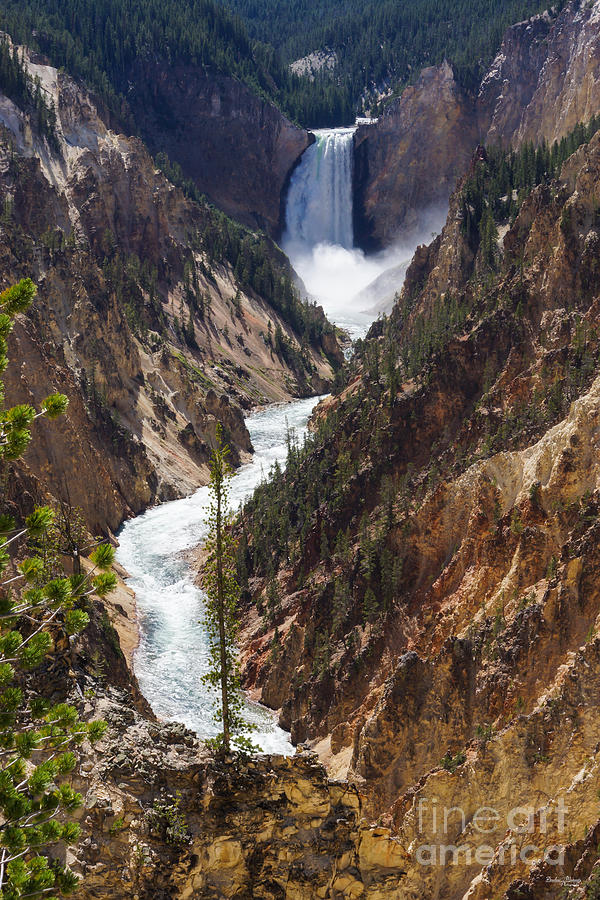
pixel 379 46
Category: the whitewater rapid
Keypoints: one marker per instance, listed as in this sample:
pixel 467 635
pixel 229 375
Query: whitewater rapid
pixel 172 655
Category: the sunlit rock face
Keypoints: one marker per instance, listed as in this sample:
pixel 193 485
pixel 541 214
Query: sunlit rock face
pixel 407 164
pixel 544 80
pixel 268 827
pixel 108 239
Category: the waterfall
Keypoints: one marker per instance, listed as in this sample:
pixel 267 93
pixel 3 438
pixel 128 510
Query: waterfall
pixel 319 238
pixel 319 203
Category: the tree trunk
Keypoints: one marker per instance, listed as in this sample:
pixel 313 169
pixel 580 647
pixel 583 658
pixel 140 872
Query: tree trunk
pixel 221 616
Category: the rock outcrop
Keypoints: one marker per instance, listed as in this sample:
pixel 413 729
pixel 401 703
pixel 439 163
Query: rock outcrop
pixel 163 819
pixel 544 80
pixel 407 164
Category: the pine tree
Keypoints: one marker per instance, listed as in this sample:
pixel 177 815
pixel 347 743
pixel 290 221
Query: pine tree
pixel 190 332
pixel 221 615
pixel 36 601
pixel 370 606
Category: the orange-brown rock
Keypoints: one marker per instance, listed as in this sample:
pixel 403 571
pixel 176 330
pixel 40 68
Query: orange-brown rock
pixel 545 78
pixel 479 686
pixel 407 164
pixel 265 828
pixel 117 253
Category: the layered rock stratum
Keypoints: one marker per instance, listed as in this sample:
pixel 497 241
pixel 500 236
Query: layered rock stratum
pixel 164 819
pixel 430 129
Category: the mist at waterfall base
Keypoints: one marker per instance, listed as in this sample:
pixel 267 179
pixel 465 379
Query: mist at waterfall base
pixel 345 282
pixel 352 287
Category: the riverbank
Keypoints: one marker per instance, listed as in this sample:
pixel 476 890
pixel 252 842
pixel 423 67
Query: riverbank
pixel 122 610
pixel 121 604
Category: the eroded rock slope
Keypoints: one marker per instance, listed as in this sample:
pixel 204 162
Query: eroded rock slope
pixel 544 80
pixel 432 626
pixel 156 315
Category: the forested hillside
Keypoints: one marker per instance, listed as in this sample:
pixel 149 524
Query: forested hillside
pixel 382 43
pixel 376 43
pixel 157 314
pixel 100 41
pixel 400 352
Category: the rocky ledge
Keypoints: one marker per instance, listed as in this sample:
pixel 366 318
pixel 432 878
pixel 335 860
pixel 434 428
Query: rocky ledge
pixel 163 819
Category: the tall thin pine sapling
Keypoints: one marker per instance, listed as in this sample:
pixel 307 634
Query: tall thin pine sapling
pixel 221 614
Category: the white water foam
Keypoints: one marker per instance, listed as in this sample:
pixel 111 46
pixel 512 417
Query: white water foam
pixel 319 203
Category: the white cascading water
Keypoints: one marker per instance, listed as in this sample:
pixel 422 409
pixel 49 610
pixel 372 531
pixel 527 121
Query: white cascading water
pixel 172 655
pixel 319 203
pixel 319 236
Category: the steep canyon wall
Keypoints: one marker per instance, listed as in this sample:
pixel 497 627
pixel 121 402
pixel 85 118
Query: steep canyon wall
pixel 544 79
pixel 237 147
pixel 140 317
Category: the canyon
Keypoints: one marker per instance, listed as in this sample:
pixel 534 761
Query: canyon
pixel 465 677
pixel 420 588
pixel 113 247
pixel 118 254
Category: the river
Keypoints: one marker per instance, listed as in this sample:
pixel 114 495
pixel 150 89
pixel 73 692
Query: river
pixel 173 654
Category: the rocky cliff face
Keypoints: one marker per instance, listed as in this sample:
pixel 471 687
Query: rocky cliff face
pixel 164 820
pixel 140 317
pixel 237 147
pixel 407 164
pixel 544 80
pixel 443 651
